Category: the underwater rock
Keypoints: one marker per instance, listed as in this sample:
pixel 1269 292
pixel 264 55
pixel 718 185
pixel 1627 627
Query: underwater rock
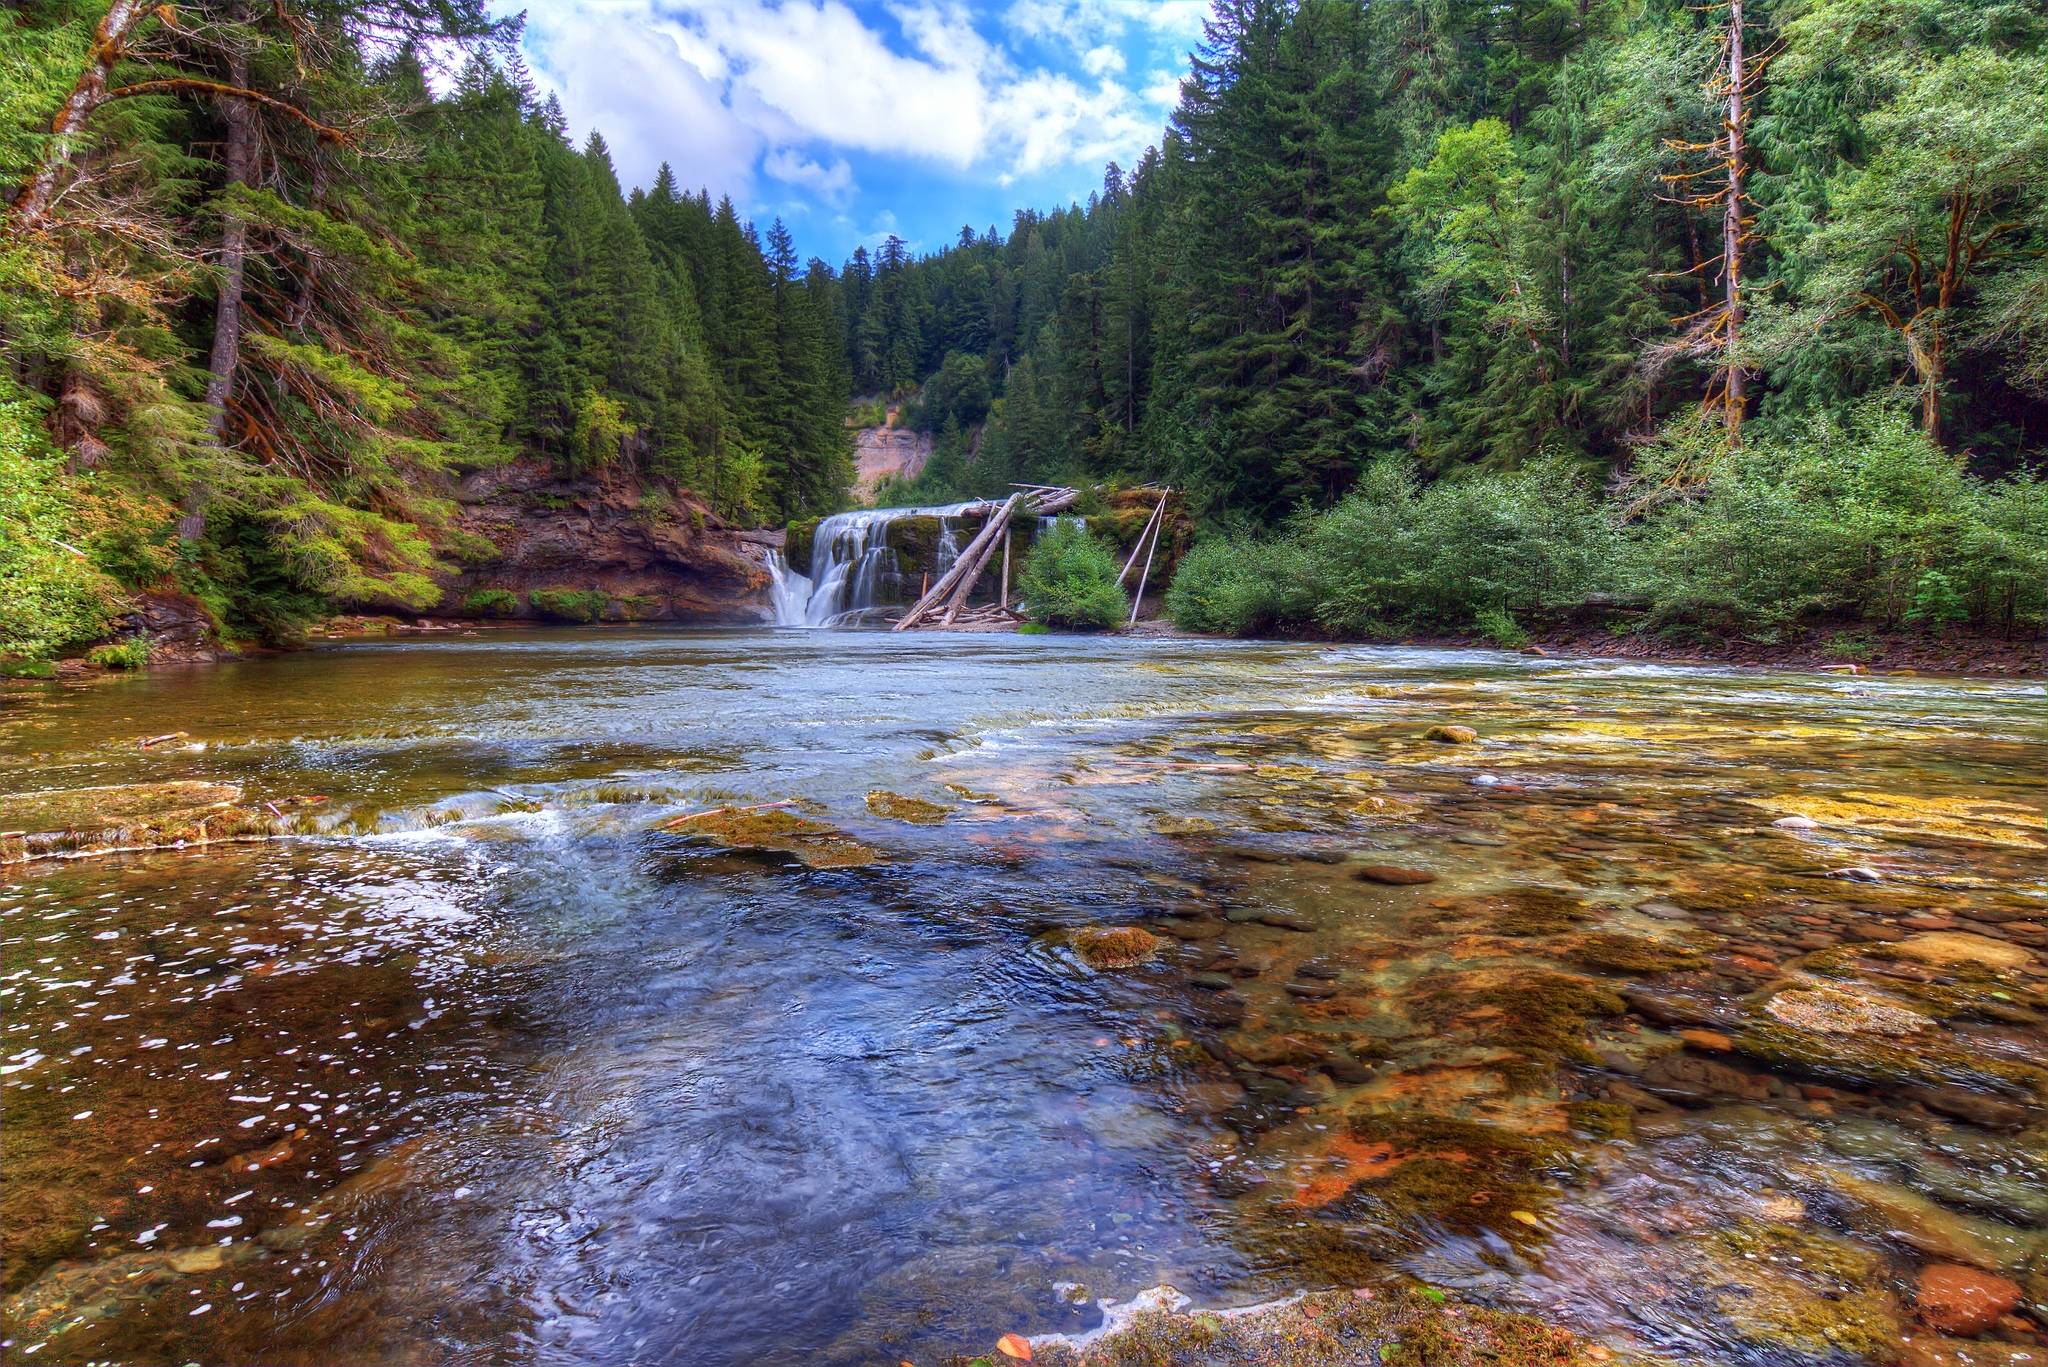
pixel 138 816
pixel 1790 1288
pixel 1689 1078
pixel 1921 1224
pixel 1835 1011
pixel 1961 949
pixel 1107 947
pixel 1390 1323
pixel 1393 876
pixel 1962 1300
pixel 1451 735
pixel 772 829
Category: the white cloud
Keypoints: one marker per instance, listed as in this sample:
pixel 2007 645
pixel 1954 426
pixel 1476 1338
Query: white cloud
pixel 727 90
pixel 1101 61
pixel 831 183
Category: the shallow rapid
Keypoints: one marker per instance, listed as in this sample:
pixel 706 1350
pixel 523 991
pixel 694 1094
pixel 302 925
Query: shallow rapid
pixel 1700 1010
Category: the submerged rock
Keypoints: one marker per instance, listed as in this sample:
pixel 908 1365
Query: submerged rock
pixel 1391 875
pixel 1962 1300
pixel 812 843
pixel 1451 735
pixel 1835 1011
pixel 138 816
pixel 1961 949
pixel 1107 947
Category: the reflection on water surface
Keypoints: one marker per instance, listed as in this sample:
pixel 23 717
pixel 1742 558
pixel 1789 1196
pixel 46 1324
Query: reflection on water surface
pixel 1698 1009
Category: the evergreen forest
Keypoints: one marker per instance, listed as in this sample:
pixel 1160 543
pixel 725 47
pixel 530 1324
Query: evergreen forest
pixel 1462 309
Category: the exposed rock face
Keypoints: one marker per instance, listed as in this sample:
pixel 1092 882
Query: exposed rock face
pixel 602 547
pixel 887 450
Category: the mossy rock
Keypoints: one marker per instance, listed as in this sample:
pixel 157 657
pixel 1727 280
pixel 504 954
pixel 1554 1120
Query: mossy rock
pixel 1374 1320
pixel 1614 952
pixel 797 542
pixel 1107 947
pixel 1539 1017
pixel 138 816
pixel 898 807
pixel 775 830
pixel 1801 1291
pixel 1886 1061
pixel 1459 1174
pixel 915 540
pixel 1601 1119
pixel 1516 913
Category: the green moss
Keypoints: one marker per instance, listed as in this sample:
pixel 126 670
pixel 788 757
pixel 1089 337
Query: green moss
pixel 132 653
pixel 1798 1289
pixel 569 605
pixel 1601 1119
pixel 491 603
pixel 1034 629
pixel 1539 1016
pixel 138 816
pixel 471 548
pixel 635 607
pixel 796 542
pixel 27 669
pixel 1613 952
pixel 1459 1174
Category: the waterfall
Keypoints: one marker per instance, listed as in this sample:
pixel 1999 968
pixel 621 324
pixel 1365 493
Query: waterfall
pixel 853 570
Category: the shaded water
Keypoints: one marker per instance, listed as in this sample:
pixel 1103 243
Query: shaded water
pixel 493 1070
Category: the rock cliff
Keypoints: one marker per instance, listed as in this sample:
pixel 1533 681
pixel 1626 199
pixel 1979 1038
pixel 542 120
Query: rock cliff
pixel 532 543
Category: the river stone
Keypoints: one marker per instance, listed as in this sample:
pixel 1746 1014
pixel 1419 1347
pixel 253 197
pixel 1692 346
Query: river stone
pixel 1959 949
pixel 1107 947
pixel 1921 1224
pixel 1962 1300
pixel 1833 1011
pixel 1451 735
pixel 1392 875
pixel 206 1258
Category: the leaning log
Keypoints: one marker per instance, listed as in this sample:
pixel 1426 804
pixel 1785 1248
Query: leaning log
pixel 976 552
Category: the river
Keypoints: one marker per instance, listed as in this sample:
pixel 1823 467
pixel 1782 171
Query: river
pixel 1697 1009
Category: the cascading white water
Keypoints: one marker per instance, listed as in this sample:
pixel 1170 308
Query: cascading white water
pixel 853 569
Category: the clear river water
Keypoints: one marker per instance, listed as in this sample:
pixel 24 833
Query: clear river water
pixel 1701 1010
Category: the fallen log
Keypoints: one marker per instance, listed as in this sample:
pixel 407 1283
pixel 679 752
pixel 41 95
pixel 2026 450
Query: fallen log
pixel 977 550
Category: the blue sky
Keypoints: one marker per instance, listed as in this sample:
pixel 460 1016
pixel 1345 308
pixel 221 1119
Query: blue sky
pixel 855 118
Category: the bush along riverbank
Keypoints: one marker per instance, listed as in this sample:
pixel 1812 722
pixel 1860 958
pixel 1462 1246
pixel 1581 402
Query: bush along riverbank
pixel 1861 543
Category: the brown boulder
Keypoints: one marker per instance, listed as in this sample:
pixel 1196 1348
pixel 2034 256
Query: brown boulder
pixel 1393 876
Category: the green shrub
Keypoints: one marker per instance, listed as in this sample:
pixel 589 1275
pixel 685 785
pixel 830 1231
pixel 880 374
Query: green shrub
pixel 1034 629
pixel 1843 646
pixel 1501 629
pixel 132 653
pixel 491 603
pixel 569 605
pixel 1865 518
pixel 1070 580
pixel 469 547
pixel 1242 587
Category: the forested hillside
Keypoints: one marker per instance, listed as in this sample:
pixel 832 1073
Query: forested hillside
pixel 1757 287
pixel 262 291
pixel 1478 232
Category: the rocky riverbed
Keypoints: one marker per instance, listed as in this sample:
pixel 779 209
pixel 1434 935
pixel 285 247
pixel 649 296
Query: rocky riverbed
pixel 834 997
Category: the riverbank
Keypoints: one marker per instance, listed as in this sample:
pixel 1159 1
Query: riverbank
pixel 1835 648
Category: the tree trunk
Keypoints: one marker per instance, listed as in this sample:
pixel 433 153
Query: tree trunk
pixel 110 44
pixel 239 161
pixel 1731 228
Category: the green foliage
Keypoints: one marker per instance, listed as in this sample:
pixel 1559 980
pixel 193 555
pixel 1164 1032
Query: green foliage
pixel 569 605
pixel 1496 626
pixel 1243 587
pixel 52 595
pixel 491 603
pixel 132 653
pixel 1848 518
pixel 1070 580
pixel 1034 629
